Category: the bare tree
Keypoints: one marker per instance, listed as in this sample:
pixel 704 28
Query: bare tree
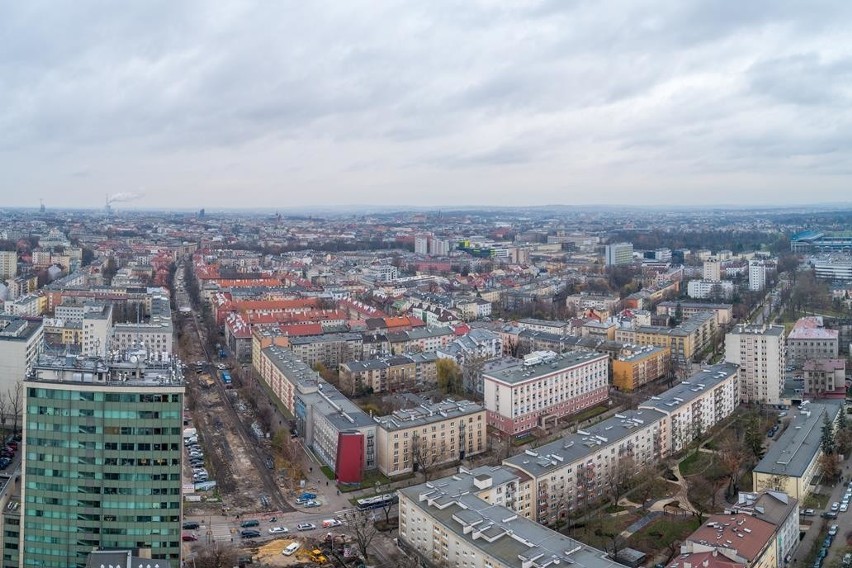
pixel 732 456
pixel 774 482
pixel 620 478
pixel 216 556
pixel 472 371
pixel 15 402
pixel 426 456
pixel 363 529
pixel 4 412
pixel 381 489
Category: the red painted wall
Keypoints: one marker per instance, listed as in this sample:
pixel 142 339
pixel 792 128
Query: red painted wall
pixel 350 457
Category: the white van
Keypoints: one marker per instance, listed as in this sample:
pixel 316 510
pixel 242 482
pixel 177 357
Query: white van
pixel 331 523
pixel 291 548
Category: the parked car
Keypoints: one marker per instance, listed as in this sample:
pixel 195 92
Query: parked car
pixel 832 531
pixel 250 523
pixel 844 507
pixel 190 525
pixel 331 523
pixel 835 506
pixel 306 526
pixel 291 548
pixel 278 530
pixel 829 515
pixel 188 537
pixel 249 533
pixel 312 503
pixel 808 513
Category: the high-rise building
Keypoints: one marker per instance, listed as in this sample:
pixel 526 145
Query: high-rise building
pixel 8 264
pixel 712 269
pixel 421 244
pixel 439 247
pixel 756 275
pixel 619 253
pixel 21 341
pixel 760 353
pixel 102 466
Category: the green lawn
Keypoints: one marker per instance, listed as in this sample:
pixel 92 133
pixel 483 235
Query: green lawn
pixel 662 532
pixel 696 462
pixel 659 488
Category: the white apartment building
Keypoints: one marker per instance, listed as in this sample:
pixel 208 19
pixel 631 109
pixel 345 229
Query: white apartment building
pixel 619 253
pixel 455 522
pixel 429 435
pixel 421 245
pixel 154 335
pixel 8 264
pixel 696 405
pixel 701 289
pixel 30 305
pixel 759 352
pixel 439 247
pixel 810 340
pixel 544 388
pixel 21 342
pixel 756 275
pixel 97 330
pixel 573 472
pixel 712 269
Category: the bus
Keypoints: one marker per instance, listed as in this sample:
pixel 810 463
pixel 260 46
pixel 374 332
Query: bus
pixel 377 501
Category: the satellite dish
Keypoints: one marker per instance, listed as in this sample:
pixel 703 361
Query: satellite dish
pixel 134 359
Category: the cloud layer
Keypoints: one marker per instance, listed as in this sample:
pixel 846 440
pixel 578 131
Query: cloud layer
pixel 299 103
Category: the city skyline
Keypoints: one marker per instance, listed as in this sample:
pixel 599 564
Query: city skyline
pixel 437 105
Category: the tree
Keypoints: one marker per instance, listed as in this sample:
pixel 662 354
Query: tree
pixel 702 495
pixel 381 489
pixel 732 456
pixel 15 402
pixel 216 556
pixel 775 482
pixel 844 441
pixel 449 376
pixel 4 412
pixel 644 481
pixel 363 529
pixel 620 478
pixel 830 466
pixel 471 371
pixel 827 442
pixel 753 439
pixel 426 456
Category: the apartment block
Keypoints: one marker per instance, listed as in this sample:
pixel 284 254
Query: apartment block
pixel 778 509
pixel 96 331
pixel 791 463
pixel 759 352
pixel 712 270
pixel 685 341
pixel 724 312
pixel 742 539
pixel 696 405
pixel 618 254
pixel 453 522
pixel 420 340
pixel 825 378
pixel 713 289
pixel 21 342
pixel 809 339
pixel 8 264
pixel 103 456
pixel 429 435
pixel 573 472
pixel 155 335
pixel 330 349
pixel 544 388
pixel 756 275
pixel 640 367
pixel 388 374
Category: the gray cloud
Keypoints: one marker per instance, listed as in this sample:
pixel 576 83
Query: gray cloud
pixel 500 102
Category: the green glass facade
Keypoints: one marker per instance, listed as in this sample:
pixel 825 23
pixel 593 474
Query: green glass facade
pixel 102 468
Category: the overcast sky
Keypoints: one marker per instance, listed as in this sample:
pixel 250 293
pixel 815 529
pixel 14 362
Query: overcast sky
pixel 218 104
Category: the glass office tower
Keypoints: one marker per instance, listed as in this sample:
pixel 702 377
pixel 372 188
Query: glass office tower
pixel 102 458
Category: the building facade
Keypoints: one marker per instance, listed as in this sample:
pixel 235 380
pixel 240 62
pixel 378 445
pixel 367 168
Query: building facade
pixel 760 353
pixel 640 367
pixel 618 254
pixel 103 456
pixel 544 388
pixel 429 435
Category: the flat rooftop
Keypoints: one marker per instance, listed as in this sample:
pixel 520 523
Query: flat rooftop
pixel 585 442
pixel 524 372
pixel 692 388
pixel 129 368
pixel 428 414
pixel 497 531
pixel 793 452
